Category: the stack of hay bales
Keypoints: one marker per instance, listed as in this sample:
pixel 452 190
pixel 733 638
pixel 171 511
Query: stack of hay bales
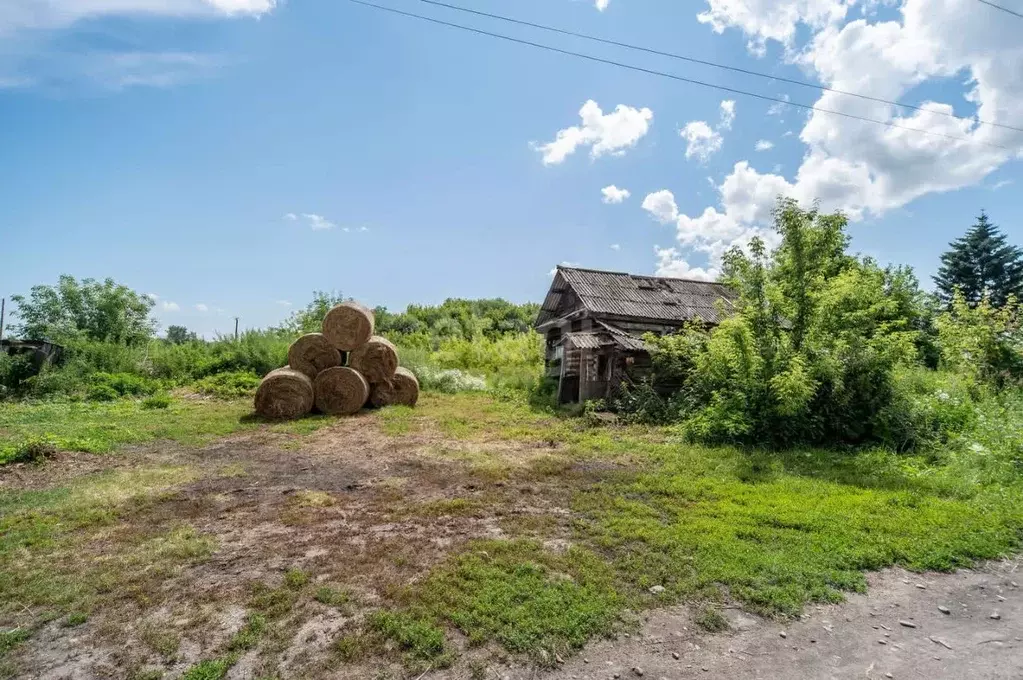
pixel 338 371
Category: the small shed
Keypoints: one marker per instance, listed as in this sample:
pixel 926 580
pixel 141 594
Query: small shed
pixel 41 352
pixel 593 322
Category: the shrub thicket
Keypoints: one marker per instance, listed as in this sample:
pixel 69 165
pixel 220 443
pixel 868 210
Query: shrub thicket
pixel 824 348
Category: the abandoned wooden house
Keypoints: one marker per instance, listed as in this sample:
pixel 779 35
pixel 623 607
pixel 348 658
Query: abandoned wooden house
pixel 594 321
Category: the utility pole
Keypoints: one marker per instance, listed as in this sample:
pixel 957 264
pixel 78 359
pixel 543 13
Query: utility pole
pixel 236 329
pixel 3 308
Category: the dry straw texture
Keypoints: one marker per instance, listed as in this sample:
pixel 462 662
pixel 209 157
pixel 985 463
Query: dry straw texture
pixel 348 326
pixel 377 360
pixel 284 393
pixel 313 353
pixel 340 391
pixel 402 389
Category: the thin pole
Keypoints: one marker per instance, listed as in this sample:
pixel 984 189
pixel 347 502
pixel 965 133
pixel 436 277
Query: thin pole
pixel 3 308
pixel 236 329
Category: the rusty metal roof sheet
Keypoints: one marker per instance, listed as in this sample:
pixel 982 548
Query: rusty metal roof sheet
pixel 655 298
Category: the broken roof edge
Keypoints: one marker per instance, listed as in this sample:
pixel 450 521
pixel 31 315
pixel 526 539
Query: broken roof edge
pixel 561 267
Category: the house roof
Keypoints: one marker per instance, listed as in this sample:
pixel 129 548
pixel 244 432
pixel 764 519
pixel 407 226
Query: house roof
pixel 619 294
pixel 606 337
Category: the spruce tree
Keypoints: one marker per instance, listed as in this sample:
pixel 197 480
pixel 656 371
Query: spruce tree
pixel 981 261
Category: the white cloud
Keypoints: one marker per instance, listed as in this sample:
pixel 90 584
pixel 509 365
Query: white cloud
pixel 764 145
pixel 601 5
pixel 171 307
pixel 563 264
pixel 34 53
pixel 361 229
pixel 52 14
pixel 763 20
pixel 859 167
pixel 1003 183
pixel 284 303
pixel 613 194
pixel 314 221
pixel 727 114
pixel 777 108
pixel 153 296
pixel 702 141
pixel 661 204
pixel 612 133
pixel 670 263
pixel 615 246
pixel 318 222
pixel 201 308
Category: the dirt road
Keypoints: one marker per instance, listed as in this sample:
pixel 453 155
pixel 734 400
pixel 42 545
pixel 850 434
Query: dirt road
pixel 980 638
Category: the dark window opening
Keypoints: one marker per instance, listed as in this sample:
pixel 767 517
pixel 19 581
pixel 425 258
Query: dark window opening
pixel 602 367
pixel 577 325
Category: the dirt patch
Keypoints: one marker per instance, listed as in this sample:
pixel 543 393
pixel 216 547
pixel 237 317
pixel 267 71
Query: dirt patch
pixel 861 638
pixel 345 506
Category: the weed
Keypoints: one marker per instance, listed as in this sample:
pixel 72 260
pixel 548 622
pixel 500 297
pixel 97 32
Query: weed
pixel 296 579
pixel 163 641
pixel 419 638
pixel 248 637
pixel 149 674
pixel 210 669
pixel 32 450
pixel 75 619
pixel 332 596
pixel 351 647
pixel 9 639
pixel 711 619
pixel 274 603
pixel 157 401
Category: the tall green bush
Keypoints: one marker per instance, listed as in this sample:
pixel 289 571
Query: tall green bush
pixel 809 353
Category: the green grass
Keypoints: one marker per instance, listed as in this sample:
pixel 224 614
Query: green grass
pixel 528 599
pixel 332 596
pixel 101 427
pixel 296 579
pixel 774 531
pixel 210 669
pixel 420 639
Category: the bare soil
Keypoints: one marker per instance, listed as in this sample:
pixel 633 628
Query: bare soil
pixel 860 638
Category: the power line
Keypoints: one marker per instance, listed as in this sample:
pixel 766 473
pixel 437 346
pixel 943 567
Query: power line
pixel 1004 9
pixel 704 62
pixel 672 76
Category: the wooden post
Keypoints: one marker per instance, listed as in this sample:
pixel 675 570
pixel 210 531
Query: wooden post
pixel 236 329
pixel 3 308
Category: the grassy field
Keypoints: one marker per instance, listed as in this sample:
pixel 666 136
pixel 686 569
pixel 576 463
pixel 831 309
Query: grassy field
pixel 554 532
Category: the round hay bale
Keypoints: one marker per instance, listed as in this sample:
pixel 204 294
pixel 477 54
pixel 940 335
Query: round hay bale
pixel 402 389
pixel 348 326
pixel 313 353
pixel 377 360
pixel 284 393
pixel 340 391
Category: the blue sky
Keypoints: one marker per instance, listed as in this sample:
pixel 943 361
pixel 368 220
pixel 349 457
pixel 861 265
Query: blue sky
pixel 232 156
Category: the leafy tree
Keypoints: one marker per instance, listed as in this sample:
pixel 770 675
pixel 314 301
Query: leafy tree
pixel 809 356
pixel 310 319
pixel 88 309
pixel 983 341
pixel 179 335
pixel 981 263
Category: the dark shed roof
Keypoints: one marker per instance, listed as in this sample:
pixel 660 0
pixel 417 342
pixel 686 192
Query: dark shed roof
pixel 618 294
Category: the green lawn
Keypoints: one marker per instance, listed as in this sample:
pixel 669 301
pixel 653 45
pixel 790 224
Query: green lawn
pixel 102 427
